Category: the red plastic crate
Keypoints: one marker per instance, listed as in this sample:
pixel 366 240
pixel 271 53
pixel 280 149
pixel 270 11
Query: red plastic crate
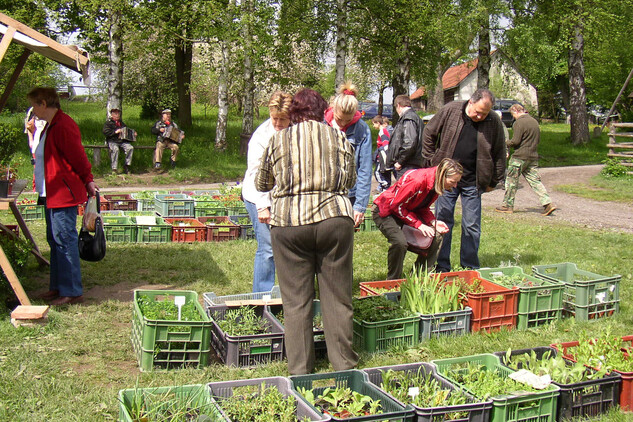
pixel 626 389
pixel 220 228
pixel 194 231
pixel 493 309
pixel 368 288
pixel 123 202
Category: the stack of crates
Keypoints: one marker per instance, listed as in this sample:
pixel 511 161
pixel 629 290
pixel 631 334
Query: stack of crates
pixel 122 202
pixel 174 205
pixel 246 225
pixel 220 228
pixel 185 230
pixel 152 229
pixel 119 228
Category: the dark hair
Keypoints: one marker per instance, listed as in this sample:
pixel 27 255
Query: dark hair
pixel 48 95
pixel 402 101
pixel 482 93
pixel 307 104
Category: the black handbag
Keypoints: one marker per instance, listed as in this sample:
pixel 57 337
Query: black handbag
pixel 93 247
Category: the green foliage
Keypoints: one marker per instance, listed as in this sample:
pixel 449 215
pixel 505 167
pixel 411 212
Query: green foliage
pixel 9 141
pixel 242 321
pixel 258 404
pixel 426 294
pixel 613 168
pixel 377 308
pixel 166 310
pixel 169 406
pixel 342 402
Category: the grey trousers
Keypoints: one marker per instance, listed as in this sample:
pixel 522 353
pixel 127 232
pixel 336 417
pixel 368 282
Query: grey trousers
pixel 391 227
pixel 128 150
pixel 324 250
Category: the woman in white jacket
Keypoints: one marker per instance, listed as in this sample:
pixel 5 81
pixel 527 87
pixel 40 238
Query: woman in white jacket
pixel 258 203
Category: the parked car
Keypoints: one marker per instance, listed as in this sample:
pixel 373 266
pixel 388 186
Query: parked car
pixel 426 119
pixel 502 107
pixel 370 110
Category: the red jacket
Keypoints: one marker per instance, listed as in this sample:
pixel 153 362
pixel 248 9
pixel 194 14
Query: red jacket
pixel 67 170
pixel 329 118
pixel 406 199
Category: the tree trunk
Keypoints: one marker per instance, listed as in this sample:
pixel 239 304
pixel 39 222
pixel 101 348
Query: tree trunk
pixel 435 93
pixel 483 64
pixel 578 97
pixel 341 42
pixel 184 57
pixel 381 100
pixel 247 118
pixel 115 62
pixel 223 97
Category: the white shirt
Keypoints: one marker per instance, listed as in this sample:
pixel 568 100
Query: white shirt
pixel 256 146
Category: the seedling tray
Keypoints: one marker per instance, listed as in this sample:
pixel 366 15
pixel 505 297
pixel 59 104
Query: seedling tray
pixel 493 309
pixel 144 204
pixel 626 387
pixel 32 212
pixel 587 295
pixel 320 348
pixel 356 381
pixel 474 411
pixel 191 231
pixel 248 350
pixel 454 323
pixel 372 288
pixel 197 395
pixel 223 390
pixel 211 299
pixel 527 407
pixel 220 229
pixel 538 304
pixel 584 399
pixel 246 230
pixel 153 233
pixel 122 202
pixel 174 205
pixel 380 336
pixel 161 344
pixel 119 228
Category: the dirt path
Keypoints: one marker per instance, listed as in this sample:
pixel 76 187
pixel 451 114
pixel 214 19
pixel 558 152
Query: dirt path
pixel 585 212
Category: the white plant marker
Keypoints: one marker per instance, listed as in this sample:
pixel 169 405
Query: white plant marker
pixel 266 298
pixel 179 301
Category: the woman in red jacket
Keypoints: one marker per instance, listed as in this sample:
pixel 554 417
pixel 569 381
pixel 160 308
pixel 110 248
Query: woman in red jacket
pixel 409 202
pixel 63 180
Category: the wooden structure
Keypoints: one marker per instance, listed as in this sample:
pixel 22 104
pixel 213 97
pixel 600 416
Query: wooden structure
pixel 621 144
pixel 26 311
pixel 68 55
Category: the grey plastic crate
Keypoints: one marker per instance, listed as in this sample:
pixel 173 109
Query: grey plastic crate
pixel 455 323
pixel 247 231
pixel 211 299
pixel 223 390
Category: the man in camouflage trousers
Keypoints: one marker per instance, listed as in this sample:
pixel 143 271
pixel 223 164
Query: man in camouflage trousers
pixel 525 139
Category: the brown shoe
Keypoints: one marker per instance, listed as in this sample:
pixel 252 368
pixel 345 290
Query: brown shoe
pixel 66 300
pixel 548 209
pixel 49 295
pixel 505 209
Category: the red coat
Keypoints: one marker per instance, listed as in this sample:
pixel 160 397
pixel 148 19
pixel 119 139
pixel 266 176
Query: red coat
pixel 406 199
pixel 67 170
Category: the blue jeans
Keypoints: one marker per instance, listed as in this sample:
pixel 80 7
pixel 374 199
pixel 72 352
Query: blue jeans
pixel 264 267
pixel 471 226
pixel 61 234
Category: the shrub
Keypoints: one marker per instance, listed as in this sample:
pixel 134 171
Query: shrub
pixel 613 168
pixel 9 142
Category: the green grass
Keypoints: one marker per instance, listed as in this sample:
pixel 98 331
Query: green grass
pixel 73 368
pixel 601 188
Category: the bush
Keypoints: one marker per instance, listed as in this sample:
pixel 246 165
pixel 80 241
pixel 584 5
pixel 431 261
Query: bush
pixel 9 142
pixel 613 168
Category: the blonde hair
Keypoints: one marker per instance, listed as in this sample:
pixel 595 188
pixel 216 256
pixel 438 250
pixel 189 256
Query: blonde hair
pixel 447 168
pixel 279 103
pixel 346 101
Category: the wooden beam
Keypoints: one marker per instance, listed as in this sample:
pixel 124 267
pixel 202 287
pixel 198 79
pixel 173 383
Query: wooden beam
pixel 14 78
pixel 26 30
pixel 13 279
pixel 6 41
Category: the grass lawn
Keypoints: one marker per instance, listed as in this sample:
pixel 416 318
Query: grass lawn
pixel 72 368
pixel 603 189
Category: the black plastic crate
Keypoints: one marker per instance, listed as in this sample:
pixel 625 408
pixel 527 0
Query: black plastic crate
pixel 473 411
pixel 584 399
pixel 247 230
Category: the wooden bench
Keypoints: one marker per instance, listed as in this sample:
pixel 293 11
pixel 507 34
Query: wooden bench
pixel 96 151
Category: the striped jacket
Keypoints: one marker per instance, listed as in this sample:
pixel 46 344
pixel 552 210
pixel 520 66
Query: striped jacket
pixel 309 167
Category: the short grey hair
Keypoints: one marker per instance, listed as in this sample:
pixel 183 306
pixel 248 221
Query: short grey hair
pixel 482 93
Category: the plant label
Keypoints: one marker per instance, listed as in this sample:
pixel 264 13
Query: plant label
pixel 413 392
pixel 179 301
pixel 266 298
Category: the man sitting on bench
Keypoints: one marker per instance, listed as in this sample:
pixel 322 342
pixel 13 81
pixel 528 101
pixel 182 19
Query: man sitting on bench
pixel 114 131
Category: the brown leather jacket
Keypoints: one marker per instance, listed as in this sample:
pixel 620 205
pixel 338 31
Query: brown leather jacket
pixel 441 135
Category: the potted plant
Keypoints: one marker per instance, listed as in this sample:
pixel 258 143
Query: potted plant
pixel 8 175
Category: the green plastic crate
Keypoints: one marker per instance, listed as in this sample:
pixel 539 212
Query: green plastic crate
pixel 236 210
pixel 380 336
pixel 357 381
pixel 161 344
pixel 587 296
pixel 32 212
pixel 143 203
pixel 529 407
pixel 119 228
pixel 210 211
pixel 368 223
pixel 174 205
pixel 539 304
pixel 153 233
pixel 196 395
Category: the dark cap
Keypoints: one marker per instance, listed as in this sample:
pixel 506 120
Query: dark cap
pixel 115 110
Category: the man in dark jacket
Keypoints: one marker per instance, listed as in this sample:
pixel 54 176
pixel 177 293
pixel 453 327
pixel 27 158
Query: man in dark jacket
pixel 467 132
pixel 112 130
pixel 405 145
